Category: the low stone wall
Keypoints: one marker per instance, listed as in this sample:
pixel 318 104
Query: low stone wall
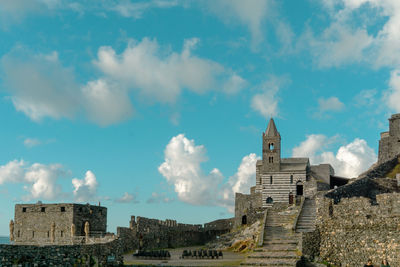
pixel 222 224
pixel 109 254
pixel 353 230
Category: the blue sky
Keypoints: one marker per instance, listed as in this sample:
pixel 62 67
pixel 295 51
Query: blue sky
pixel 156 108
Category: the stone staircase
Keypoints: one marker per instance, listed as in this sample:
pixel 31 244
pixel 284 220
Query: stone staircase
pixel 280 242
pixel 307 218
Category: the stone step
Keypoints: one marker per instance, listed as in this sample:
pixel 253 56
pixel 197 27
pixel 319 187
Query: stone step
pixel 265 249
pixel 280 246
pixel 274 254
pixel 277 257
pixel 280 262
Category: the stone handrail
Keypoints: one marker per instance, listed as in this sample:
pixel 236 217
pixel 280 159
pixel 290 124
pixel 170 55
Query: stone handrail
pixel 261 236
pixel 298 214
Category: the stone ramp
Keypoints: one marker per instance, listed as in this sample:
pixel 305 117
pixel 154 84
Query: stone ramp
pixel 307 218
pixel 280 242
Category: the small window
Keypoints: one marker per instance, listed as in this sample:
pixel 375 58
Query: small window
pixel 43 209
pixel 23 209
pixel 270 179
pixel 48 233
pixel 33 233
pixel 62 233
pixel 80 209
pixel 291 179
pixel 62 209
pixel 18 233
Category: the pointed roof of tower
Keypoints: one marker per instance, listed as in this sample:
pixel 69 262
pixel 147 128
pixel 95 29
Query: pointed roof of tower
pixel 271 129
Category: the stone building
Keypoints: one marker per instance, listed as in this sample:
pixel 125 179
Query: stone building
pixel 57 223
pixel 281 180
pixel 389 145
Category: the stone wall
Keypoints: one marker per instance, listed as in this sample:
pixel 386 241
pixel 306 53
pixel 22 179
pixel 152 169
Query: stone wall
pixel 222 224
pixel 389 144
pixel 109 254
pixel 150 233
pixel 368 185
pixel 248 205
pixel 353 230
pixel 32 222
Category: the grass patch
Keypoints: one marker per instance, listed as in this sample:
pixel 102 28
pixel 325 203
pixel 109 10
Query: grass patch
pixel 392 173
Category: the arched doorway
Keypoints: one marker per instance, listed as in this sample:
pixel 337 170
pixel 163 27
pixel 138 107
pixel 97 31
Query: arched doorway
pixel 244 219
pixel 299 188
pixel 269 200
pixel 291 198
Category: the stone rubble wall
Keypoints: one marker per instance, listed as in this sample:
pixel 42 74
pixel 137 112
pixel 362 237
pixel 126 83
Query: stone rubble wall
pixel 353 230
pixel 72 255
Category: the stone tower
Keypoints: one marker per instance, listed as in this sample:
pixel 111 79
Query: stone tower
pixel 271 148
pixel 389 145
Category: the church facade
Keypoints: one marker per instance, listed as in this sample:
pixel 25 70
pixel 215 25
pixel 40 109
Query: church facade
pixel 281 180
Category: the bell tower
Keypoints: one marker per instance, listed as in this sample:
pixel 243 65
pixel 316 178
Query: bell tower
pixel 271 148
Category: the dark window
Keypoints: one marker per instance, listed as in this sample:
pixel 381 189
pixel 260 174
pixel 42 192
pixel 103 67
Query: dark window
pixel 33 233
pixel 299 189
pixel 62 209
pixel 62 233
pixel 23 209
pixel 48 234
pixel 270 179
pixel 291 179
pixel 80 209
pixel 43 209
pixel 271 159
pixel 269 200
pixel 18 233
pixel 244 219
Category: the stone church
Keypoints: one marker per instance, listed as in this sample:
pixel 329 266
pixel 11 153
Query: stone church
pixel 282 180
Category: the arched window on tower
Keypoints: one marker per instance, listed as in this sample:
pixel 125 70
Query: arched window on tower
pixel 270 179
pixel 271 146
pixel 291 179
pixel 271 159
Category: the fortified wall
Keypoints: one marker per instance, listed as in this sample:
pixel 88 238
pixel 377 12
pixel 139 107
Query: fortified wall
pixel 61 223
pixel 153 233
pixel 358 221
pixel 354 230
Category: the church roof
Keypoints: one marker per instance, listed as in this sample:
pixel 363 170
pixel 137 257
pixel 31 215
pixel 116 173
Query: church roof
pixel 271 129
pixel 294 164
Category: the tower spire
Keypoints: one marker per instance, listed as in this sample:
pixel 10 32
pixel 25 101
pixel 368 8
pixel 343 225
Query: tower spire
pixel 271 129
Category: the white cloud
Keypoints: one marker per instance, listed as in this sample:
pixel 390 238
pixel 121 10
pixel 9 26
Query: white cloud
pixel 39 179
pixel 330 104
pixel 127 198
pixel 251 13
pixel 31 142
pixel 156 198
pixel 85 189
pixel 106 103
pixel 162 76
pixel 266 102
pixel 240 182
pixel 393 93
pixel 366 98
pixel 182 169
pixel 349 161
pixel 40 86
pixel 347 40
pixel 43 179
pixel 136 9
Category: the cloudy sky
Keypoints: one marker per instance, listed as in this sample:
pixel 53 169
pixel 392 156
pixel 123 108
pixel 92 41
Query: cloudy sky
pixel 156 108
